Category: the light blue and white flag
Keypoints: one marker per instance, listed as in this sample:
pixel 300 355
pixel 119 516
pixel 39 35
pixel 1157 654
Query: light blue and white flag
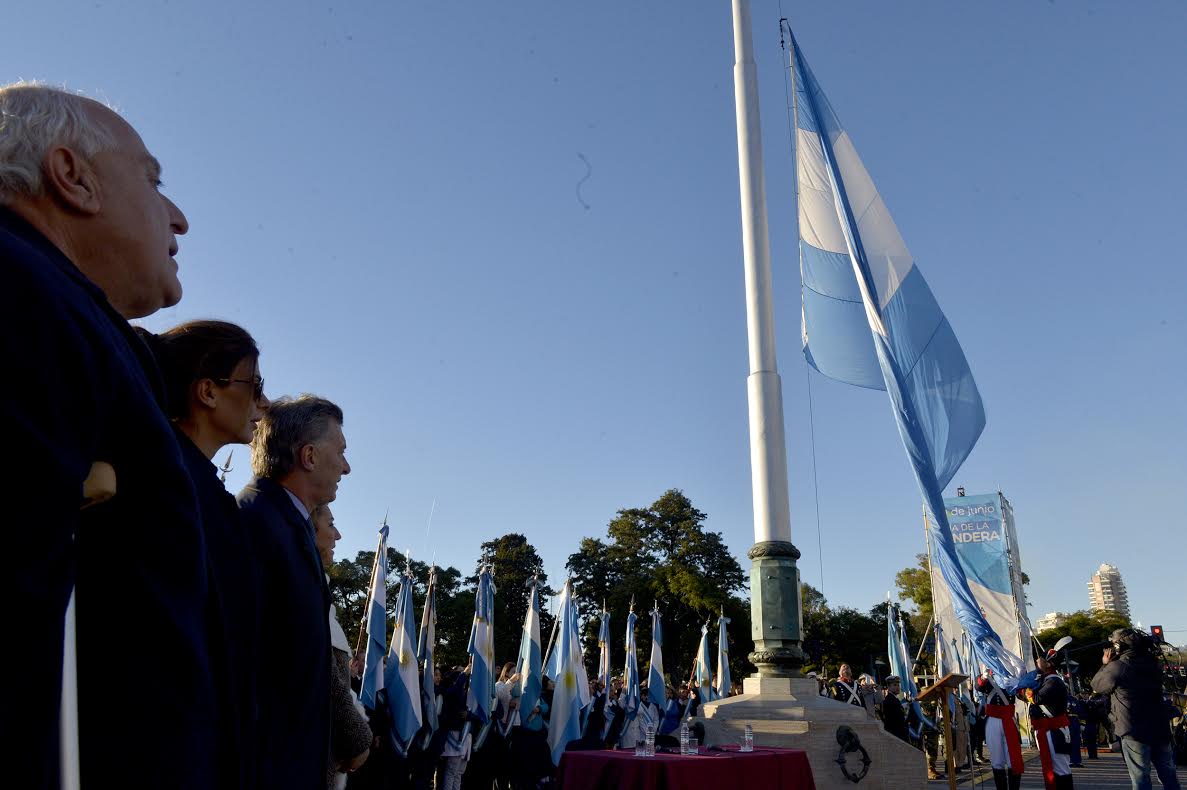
pixel 870 319
pixel 571 694
pixel 656 683
pixel 528 666
pixel 424 654
pixel 723 658
pixel 901 663
pixel 376 625
pixel 482 648
pixel 401 678
pixel 702 668
pixel 604 651
pixel 630 676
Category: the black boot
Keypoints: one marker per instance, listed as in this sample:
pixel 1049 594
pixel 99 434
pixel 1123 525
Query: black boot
pixel 1015 780
pixel 1064 782
pixel 999 779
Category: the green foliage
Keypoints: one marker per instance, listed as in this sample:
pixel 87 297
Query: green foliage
pixel 914 585
pixel 1085 628
pixel 662 552
pixel 515 562
pixel 350 585
pixel 833 636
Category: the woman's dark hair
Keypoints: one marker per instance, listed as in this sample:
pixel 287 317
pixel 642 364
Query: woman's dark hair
pixel 198 350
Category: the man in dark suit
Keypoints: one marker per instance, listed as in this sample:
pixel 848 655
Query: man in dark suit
pixel 298 456
pixel 87 242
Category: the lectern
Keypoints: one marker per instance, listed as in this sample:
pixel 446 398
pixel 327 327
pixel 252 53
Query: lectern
pixel 942 691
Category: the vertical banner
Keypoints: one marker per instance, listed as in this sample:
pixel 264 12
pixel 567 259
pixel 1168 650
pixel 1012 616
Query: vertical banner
pixel 982 531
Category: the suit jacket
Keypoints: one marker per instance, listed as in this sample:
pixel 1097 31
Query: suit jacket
pixel 293 684
pixel 81 387
pixel 233 618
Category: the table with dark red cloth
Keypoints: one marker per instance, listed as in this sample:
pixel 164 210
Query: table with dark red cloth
pixel 721 770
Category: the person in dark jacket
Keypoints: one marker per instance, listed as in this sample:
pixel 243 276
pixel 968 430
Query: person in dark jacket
pixel 1094 716
pixel 1132 678
pixel 214 395
pixel 894 719
pixel 298 457
pixel 86 243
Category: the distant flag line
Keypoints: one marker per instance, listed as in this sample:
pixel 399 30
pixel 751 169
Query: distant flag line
pixel 399 674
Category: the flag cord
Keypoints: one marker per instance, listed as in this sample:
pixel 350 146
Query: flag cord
pixel 789 103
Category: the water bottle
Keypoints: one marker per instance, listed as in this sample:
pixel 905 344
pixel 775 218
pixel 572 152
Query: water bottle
pixel 684 737
pixel 748 739
pixel 650 736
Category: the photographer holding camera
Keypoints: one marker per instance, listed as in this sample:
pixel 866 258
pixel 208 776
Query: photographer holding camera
pixel 1132 677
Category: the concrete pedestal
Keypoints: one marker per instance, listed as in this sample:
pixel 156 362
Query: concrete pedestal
pixel 789 712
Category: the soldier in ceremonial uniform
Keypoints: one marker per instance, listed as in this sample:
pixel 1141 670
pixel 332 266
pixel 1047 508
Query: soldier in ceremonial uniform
pixel 1048 714
pixel 1001 735
pixel 844 688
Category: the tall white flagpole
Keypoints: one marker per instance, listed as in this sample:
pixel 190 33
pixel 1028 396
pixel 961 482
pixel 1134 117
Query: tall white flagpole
pixel 775 592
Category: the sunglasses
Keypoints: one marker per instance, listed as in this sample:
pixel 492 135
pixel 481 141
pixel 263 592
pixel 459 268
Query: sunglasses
pixel 257 384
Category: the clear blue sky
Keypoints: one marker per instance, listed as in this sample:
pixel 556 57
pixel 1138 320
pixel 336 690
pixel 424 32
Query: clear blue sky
pixel 392 197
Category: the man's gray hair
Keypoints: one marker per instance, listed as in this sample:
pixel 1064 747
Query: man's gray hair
pixel 287 426
pixel 34 118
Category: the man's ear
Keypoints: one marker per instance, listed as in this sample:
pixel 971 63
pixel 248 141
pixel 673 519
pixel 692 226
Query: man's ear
pixel 71 180
pixel 307 457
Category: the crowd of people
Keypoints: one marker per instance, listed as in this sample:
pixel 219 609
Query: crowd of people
pixel 1127 708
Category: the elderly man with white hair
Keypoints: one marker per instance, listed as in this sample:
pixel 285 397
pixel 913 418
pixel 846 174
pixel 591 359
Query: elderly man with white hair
pixel 87 241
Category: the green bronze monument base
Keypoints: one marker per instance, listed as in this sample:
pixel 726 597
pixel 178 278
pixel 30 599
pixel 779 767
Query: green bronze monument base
pixel 782 708
pixel 775 610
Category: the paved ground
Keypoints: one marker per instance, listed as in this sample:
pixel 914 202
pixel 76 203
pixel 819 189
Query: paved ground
pixel 1107 773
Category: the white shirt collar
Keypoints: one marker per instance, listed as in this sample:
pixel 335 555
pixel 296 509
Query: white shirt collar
pixel 304 511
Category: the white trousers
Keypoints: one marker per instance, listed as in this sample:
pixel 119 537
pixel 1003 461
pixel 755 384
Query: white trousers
pixel 995 741
pixel 1061 763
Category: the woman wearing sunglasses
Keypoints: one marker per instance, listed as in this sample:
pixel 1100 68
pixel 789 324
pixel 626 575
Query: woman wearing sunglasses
pixel 214 396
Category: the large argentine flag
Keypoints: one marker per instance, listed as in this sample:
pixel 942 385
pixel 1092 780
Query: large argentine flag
pixel 376 625
pixel 482 649
pixel 402 676
pixel 656 683
pixel 528 666
pixel 571 694
pixel 870 319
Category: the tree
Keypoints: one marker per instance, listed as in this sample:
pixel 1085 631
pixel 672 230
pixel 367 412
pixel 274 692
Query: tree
pixel 662 553
pixel 514 562
pixel 350 590
pixel 914 584
pixel 841 635
pixel 1089 631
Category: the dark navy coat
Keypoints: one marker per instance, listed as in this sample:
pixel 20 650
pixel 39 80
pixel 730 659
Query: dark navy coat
pixel 293 684
pixel 233 618
pixel 80 387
